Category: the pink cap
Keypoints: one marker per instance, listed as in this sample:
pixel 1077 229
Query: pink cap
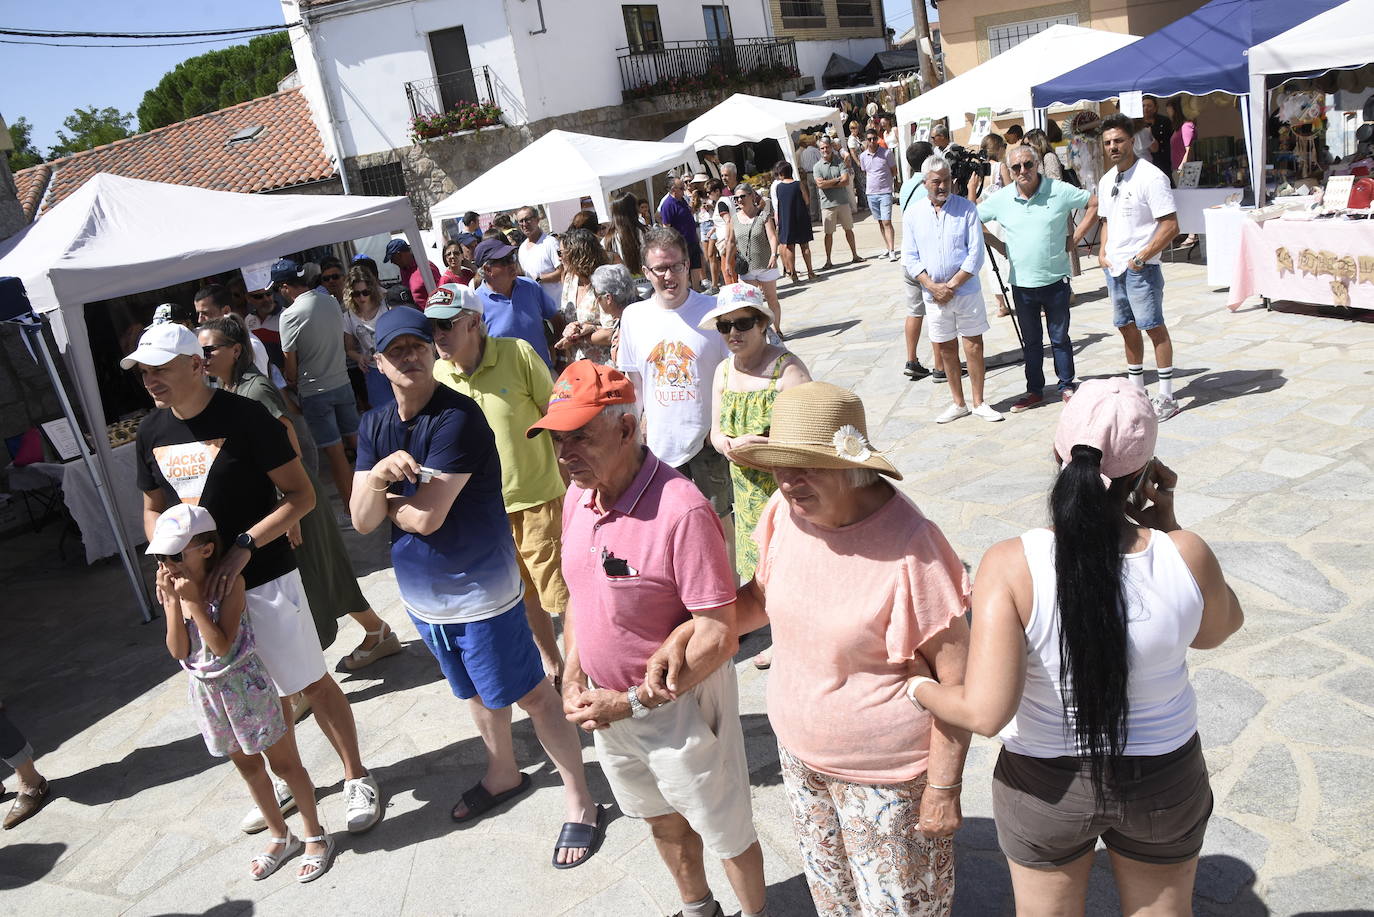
pixel 1114 416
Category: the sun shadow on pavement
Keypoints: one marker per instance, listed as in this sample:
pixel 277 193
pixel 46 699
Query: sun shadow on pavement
pixel 22 864
pixel 225 908
pixel 832 329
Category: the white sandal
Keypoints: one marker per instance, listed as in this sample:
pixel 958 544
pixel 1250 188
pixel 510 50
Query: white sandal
pixel 319 860
pixel 270 862
pixel 388 644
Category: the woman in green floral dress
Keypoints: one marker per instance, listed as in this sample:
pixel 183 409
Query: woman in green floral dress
pixel 745 386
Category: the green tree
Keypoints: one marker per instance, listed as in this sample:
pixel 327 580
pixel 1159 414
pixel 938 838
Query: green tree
pixel 217 79
pixel 24 154
pixel 91 127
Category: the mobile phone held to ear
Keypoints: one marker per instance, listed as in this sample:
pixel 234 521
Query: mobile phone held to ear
pixel 1137 495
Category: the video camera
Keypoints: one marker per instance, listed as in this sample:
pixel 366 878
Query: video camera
pixel 965 163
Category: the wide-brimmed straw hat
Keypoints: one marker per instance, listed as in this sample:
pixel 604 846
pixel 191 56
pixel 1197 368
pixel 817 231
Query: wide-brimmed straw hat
pixel 818 425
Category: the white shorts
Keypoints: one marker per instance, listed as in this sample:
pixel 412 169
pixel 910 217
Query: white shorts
pixel 963 316
pixel 288 643
pixel 762 276
pixel 686 757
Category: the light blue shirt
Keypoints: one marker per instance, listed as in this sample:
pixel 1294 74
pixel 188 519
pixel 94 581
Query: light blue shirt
pixel 1035 229
pixel 943 241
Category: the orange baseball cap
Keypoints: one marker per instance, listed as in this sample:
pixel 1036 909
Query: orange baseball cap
pixel 580 393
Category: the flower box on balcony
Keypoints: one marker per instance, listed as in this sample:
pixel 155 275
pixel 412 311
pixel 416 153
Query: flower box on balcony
pixel 463 117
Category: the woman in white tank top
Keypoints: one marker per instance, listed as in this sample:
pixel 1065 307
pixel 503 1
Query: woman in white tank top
pixel 1077 664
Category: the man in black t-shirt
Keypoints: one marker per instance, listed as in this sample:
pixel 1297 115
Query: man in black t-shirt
pixel 227 454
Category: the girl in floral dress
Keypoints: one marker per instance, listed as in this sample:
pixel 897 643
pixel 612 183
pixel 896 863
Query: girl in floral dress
pixel 235 702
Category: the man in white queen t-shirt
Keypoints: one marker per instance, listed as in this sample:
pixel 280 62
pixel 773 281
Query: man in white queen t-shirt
pixel 1137 205
pixel 671 363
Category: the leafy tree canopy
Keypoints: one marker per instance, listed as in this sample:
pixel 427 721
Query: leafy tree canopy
pixel 91 127
pixel 217 79
pixel 24 154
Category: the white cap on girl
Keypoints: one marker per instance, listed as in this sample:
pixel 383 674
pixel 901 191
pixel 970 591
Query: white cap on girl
pixel 176 527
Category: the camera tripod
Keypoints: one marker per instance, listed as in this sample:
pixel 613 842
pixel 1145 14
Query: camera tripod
pixel 1011 305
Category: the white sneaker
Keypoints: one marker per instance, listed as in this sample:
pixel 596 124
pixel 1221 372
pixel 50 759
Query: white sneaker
pixel 254 822
pixel 953 412
pixel 987 412
pixel 362 804
pixel 1165 407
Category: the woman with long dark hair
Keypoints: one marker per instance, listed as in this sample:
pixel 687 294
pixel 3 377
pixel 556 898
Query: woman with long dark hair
pixel 1078 664
pixel 627 233
pixel 326 570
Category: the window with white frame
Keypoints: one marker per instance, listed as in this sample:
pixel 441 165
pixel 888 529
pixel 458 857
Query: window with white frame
pixel 1005 37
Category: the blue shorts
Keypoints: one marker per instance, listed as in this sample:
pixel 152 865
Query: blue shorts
pixel 494 660
pixel 331 415
pixel 880 205
pixel 1137 297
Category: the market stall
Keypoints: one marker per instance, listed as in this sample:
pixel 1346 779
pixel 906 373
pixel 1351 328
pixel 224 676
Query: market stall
pixel 563 166
pixel 1324 261
pixel 118 236
pixel 1003 83
pixel 750 119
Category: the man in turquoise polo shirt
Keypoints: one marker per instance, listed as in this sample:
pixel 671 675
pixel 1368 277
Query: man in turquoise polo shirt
pixel 1034 214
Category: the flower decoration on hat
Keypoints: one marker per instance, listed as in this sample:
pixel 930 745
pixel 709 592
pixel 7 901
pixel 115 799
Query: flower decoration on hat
pixel 850 444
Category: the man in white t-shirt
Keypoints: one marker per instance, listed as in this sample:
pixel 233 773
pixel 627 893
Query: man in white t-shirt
pixel 672 364
pixel 1135 202
pixel 539 253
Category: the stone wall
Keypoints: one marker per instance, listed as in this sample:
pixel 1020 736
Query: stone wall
pixel 12 217
pixel 434 169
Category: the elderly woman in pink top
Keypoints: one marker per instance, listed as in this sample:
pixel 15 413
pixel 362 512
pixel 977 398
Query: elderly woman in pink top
pixel 873 781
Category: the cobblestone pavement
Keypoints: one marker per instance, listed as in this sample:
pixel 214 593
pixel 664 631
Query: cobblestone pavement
pixel 1276 468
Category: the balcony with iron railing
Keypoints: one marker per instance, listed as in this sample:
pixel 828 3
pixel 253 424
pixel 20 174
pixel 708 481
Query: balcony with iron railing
pixel 690 66
pixel 451 102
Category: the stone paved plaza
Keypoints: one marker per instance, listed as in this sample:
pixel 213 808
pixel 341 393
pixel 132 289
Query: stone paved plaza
pixel 1275 454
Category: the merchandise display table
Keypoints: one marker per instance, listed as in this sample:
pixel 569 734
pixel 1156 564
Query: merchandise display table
pixel 1327 262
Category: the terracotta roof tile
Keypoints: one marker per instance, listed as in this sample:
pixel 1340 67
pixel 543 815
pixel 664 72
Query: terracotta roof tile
pixel 30 183
pixel 287 151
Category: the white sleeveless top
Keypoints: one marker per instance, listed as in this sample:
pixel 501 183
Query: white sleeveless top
pixel 1163 613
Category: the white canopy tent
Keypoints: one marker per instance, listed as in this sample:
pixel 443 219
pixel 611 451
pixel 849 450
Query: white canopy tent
pixel 1337 39
pixel 562 166
pixel 1004 82
pixel 749 119
pixel 117 236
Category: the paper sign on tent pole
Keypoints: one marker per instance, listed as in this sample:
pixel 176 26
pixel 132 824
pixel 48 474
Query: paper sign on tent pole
pixel 981 125
pixel 1132 104
pixel 922 129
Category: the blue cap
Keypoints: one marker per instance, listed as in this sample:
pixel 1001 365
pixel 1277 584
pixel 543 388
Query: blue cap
pixel 468 238
pixel 399 321
pixel 283 270
pixel 492 250
pixel 394 246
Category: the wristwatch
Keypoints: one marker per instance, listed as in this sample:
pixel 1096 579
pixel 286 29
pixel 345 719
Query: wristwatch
pixel 911 690
pixel 637 709
pixel 1135 260
pixel 246 542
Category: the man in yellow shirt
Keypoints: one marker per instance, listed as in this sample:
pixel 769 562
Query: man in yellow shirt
pixel 512 385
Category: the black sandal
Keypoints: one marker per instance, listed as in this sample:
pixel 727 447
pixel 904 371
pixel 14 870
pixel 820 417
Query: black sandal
pixel 575 834
pixel 480 801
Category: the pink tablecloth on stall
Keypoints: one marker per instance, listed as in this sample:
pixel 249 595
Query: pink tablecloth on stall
pixel 1308 261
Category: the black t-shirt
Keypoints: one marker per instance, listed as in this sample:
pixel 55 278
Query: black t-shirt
pixel 220 460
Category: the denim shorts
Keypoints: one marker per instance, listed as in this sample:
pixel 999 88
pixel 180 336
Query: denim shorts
pixel 1137 297
pixel 494 660
pixel 331 415
pixel 880 205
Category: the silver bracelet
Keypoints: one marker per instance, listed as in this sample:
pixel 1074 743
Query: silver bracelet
pixel 952 786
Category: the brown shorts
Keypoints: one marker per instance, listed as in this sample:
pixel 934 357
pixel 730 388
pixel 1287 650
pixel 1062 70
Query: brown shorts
pixel 710 472
pixel 1047 816
pixel 538 533
pixel 840 214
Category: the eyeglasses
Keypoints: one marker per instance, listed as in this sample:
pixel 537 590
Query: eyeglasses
pixel 1021 166
pixel 362 294
pixel 169 558
pixel 528 219
pixel 209 351
pixel 744 197
pixel 740 324
pixel 331 278
pixel 677 267
pixel 441 324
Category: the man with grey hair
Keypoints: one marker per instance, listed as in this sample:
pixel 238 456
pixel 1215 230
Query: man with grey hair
pixel 939 137
pixel 725 208
pixel 644 553
pixel 1033 212
pixel 833 179
pixel 942 249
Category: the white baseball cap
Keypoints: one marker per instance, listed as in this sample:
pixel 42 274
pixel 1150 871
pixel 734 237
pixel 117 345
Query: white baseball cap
pixel 176 527
pixel 452 299
pixel 161 344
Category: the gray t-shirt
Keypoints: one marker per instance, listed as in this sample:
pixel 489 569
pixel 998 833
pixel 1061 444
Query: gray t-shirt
pixel 312 328
pixel 829 169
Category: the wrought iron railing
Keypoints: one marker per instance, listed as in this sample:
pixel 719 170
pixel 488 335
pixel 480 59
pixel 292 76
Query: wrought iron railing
pixel 448 90
pixel 678 66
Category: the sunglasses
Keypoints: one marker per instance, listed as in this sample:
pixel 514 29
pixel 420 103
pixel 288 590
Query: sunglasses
pixel 1116 186
pixel 740 324
pixel 330 278
pixel 362 294
pixel 209 350
pixel 169 558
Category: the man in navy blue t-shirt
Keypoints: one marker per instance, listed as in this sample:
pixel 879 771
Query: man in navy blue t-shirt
pixel 428 464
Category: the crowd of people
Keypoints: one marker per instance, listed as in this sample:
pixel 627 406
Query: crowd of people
pixel 570 434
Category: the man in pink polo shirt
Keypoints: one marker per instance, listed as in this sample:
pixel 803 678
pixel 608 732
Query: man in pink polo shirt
pixel 398 253
pixel 643 552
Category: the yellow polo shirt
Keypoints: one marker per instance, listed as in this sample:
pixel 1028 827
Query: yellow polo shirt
pixel 512 386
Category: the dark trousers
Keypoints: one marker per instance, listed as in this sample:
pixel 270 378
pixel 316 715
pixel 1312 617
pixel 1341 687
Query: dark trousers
pixel 1053 299
pixel 14 748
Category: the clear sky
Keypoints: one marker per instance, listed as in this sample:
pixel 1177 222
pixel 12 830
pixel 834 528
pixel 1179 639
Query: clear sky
pixel 46 84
